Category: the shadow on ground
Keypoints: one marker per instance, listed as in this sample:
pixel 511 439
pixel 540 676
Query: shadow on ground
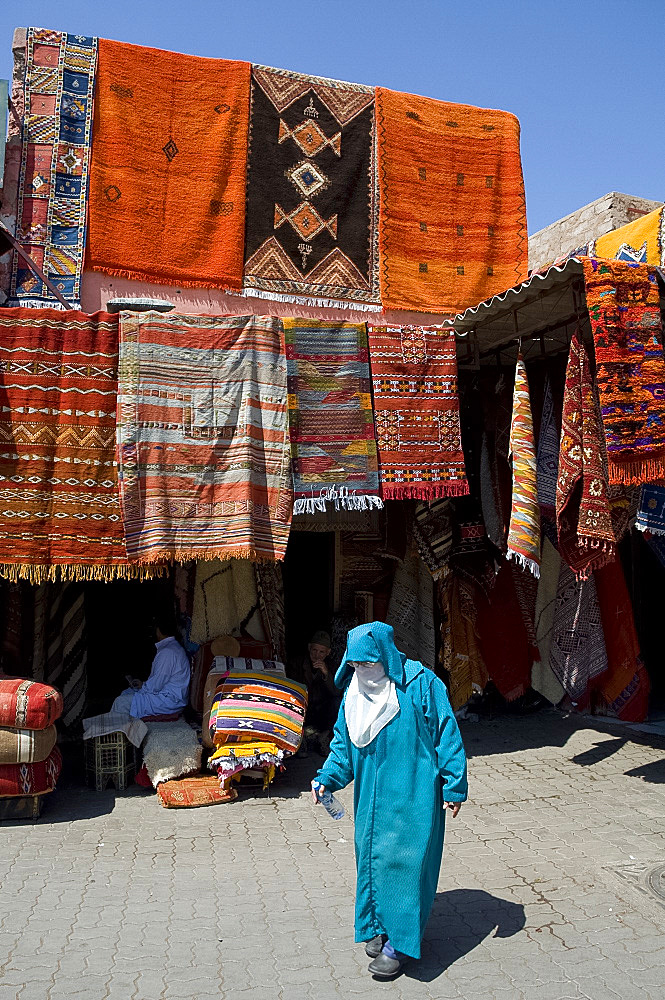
pixel 461 919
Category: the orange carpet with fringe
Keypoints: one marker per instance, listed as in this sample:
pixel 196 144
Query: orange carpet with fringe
pixel 167 175
pixel 452 218
pixel 59 501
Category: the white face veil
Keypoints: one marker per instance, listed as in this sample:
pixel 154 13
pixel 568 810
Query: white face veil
pixel 371 702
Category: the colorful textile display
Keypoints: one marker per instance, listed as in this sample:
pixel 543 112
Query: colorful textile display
pixel 53 179
pixel 312 198
pixel 640 242
pixel 524 531
pixel 255 706
pixel 203 451
pixel 543 678
pixel 167 178
pixel 27 704
pixel 416 411
pixel 59 503
pixel 651 513
pixel 433 534
pixel 224 595
pixel 411 609
pixel 26 746
pixel 30 779
pixel 452 224
pixel 584 521
pixel 624 309
pixel 460 653
pixel 189 793
pixel 624 688
pixel 66 660
pixel 577 650
pixel 270 585
pixel 547 464
pixel 333 443
pixel 504 644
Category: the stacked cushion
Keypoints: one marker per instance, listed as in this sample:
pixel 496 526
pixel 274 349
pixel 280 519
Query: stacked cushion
pixel 30 762
pixel 30 779
pixel 255 706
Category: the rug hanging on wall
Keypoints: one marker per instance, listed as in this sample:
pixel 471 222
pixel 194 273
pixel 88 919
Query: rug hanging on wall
pixel 547 459
pixel 167 177
pixel 584 521
pixel 411 609
pixel 524 530
pixel 333 443
pixel 59 503
pixel 452 225
pixel 624 309
pixel 203 448
pixel 640 242
pixel 651 512
pixel 312 199
pixel 577 652
pixel 416 410
pixel 53 178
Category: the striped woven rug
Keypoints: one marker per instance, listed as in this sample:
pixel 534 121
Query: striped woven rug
pixel 203 450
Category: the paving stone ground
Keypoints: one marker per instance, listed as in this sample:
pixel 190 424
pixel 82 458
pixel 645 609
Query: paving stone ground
pixel 543 892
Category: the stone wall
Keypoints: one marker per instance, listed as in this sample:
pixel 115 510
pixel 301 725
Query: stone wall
pixel 588 223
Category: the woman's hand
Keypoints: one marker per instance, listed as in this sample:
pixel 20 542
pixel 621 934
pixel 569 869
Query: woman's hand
pixel 317 793
pixel 454 807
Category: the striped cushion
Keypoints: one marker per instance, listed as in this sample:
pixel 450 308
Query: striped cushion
pixel 27 704
pixel 30 779
pixel 258 706
pixel 26 746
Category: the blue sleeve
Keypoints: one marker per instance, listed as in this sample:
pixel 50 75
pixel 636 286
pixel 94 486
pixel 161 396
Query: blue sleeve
pixel 447 740
pixel 337 770
pixel 160 672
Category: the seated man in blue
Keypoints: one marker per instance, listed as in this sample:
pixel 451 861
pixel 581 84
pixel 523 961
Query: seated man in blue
pixel 167 688
pixel 396 737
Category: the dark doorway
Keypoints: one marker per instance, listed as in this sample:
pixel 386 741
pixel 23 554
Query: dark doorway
pixel 309 573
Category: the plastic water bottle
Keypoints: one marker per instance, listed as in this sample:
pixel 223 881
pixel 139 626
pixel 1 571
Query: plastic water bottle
pixel 332 805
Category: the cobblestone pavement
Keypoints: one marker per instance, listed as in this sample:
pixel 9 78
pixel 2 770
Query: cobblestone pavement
pixel 542 893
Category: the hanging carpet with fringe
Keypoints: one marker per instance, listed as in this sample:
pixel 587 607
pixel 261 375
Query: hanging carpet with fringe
pixel 59 504
pixel 203 447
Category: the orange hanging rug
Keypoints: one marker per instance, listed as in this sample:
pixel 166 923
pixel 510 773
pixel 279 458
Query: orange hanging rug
pixel 452 218
pixel 167 179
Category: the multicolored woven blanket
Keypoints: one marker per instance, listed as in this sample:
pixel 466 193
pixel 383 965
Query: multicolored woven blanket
pixel 333 441
pixel 524 531
pixel 624 308
pixel 53 181
pixel 203 449
pixel 452 225
pixel 584 520
pixel 312 198
pixel 59 503
pixel 167 179
pixel 255 707
pixel 416 407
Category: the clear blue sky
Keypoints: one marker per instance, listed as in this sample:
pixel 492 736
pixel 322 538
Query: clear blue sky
pixel 584 77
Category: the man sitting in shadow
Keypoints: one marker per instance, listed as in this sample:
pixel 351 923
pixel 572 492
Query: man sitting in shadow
pixel 166 691
pixel 314 670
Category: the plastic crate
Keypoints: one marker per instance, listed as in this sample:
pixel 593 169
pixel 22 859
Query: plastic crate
pixel 110 758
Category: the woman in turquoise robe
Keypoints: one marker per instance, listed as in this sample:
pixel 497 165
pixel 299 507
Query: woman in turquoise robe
pixel 403 778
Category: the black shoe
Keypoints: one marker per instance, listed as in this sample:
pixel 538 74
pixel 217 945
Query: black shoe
pixel 374 947
pixel 384 967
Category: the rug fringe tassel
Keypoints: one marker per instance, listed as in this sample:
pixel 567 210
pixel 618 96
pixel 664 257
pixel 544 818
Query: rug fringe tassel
pixel 649 530
pixel 635 472
pixel 119 272
pixel 165 559
pixel 75 573
pixel 423 491
pixel 340 497
pixel 307 300
pixel 524 562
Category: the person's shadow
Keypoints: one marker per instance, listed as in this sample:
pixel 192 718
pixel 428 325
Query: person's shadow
pixel 459 921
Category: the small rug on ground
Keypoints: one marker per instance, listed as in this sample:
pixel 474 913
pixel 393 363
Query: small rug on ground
pixel 189 793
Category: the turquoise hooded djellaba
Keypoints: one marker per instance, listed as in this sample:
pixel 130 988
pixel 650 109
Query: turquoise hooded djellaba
pixel 402 778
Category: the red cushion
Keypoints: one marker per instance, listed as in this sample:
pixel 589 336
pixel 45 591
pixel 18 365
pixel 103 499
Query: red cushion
pixel 27 704
pixel 162 718
pixel 30 779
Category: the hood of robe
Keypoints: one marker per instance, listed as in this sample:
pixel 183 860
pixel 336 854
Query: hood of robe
pixel 372 643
